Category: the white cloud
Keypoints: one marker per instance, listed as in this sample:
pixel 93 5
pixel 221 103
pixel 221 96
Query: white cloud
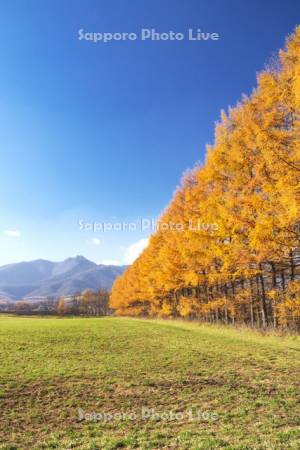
pixel 134 250
pixel 12 233
pixel 96 241
pixel 110 262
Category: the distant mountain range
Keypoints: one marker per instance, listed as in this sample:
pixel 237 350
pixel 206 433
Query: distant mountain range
pixel 37 279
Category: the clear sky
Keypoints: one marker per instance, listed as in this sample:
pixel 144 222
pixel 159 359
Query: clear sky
pixel 101 132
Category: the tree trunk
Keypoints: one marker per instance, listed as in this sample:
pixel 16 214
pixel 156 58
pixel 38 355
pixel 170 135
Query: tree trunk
pixel 264 312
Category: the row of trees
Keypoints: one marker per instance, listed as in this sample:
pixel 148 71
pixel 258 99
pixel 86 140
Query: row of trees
pixel 227 246
pixel 89 303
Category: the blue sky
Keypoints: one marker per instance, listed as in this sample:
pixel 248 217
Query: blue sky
pixel 102 132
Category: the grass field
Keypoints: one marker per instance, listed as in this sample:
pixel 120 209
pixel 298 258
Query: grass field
pixel 234 389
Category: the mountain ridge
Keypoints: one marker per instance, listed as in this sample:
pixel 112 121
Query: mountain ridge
pixel 43 278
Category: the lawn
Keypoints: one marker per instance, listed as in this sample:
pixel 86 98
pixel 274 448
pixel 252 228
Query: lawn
pixel 126 383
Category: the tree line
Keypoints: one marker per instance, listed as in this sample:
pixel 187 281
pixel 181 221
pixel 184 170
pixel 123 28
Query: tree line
pixel 241 265
pixel 88 303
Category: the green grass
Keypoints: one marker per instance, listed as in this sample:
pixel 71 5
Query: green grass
pixel 50 367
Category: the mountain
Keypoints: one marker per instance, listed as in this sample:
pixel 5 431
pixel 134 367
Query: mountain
pixel 41 278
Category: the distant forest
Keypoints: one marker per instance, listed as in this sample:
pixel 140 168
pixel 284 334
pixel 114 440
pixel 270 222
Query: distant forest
pixel 88 303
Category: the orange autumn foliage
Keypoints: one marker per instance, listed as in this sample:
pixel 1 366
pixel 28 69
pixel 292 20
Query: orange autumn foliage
pixel 241 263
